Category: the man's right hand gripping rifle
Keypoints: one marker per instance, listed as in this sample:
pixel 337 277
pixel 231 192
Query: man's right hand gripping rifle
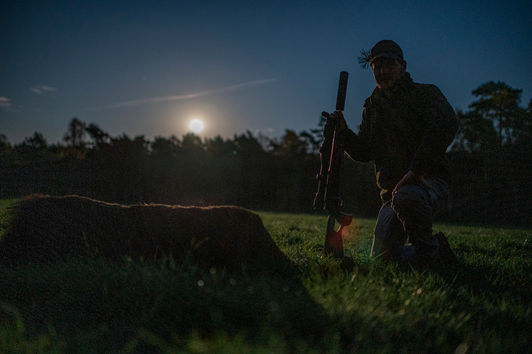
pixel 331 157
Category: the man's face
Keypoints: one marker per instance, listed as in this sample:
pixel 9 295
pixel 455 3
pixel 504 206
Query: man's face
pixel 386 71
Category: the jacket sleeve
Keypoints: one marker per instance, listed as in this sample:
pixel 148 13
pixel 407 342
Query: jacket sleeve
pixel 358 146
pixel 441 129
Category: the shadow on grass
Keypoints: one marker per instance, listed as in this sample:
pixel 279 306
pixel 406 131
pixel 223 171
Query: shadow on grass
pixel 499 296
pixel 106 306
pixel 492 272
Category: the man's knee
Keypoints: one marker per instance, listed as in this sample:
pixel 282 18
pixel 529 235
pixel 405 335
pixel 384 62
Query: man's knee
pixel 389 235
pixel 409 198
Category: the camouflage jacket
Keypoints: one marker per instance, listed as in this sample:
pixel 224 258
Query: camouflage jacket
pixel 406 127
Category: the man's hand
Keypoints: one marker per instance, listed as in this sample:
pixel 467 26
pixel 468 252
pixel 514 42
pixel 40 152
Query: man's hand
pixel 409 178
pixel 337 118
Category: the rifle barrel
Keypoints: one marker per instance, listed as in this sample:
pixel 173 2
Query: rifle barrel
pixel 342 89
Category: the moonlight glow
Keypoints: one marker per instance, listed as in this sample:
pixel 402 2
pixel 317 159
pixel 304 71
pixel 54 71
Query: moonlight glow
pixel 196 126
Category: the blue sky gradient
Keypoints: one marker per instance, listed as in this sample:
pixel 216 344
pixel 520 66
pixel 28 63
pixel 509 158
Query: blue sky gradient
pixel 262 66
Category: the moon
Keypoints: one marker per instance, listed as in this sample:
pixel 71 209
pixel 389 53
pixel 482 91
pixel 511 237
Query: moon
pixel 196 125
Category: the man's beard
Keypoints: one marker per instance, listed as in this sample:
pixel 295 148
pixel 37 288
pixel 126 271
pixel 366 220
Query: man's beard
pixel 385 83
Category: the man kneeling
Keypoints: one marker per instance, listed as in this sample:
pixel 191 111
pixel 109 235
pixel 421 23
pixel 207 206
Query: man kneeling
pixel 406 128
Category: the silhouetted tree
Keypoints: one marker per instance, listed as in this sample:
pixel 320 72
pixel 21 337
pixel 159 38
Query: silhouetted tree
pixel 165 147
pixel 96 134
pixel 524 129
pixel 191 141
pixel 313 143
pixel 5 146
pixel 316 135
pixel 247 144
pixel 33 148
pixel 219 146
pixel 36 142
pixel 475 134
pixel 491 156
pixel 499 103
pixel 75 135
pixel 290 145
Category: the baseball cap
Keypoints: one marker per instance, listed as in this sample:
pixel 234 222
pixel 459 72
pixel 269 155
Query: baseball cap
pixel 383 49
pixel 386 49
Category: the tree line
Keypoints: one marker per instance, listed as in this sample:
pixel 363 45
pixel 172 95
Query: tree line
pixel 491 163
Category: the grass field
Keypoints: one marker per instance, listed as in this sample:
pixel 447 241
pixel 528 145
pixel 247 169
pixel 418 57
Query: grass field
pixel 88 305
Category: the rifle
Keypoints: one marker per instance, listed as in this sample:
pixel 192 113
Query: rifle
pixel 328 195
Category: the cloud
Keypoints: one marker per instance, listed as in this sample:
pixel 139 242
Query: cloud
pixel 5 102
pixel 140 101
pixel 40 90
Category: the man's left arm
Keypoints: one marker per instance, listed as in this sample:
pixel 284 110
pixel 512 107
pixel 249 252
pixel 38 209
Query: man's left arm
pixel 439 133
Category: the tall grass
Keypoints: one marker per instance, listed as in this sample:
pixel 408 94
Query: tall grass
pixel 479 305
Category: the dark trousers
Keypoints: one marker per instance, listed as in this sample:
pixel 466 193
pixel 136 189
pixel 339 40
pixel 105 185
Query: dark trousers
pixel 409 216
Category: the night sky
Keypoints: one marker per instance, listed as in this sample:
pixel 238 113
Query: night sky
pixel 149 67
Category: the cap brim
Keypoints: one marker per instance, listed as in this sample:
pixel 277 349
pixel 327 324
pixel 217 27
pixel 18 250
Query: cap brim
pixel 385 55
